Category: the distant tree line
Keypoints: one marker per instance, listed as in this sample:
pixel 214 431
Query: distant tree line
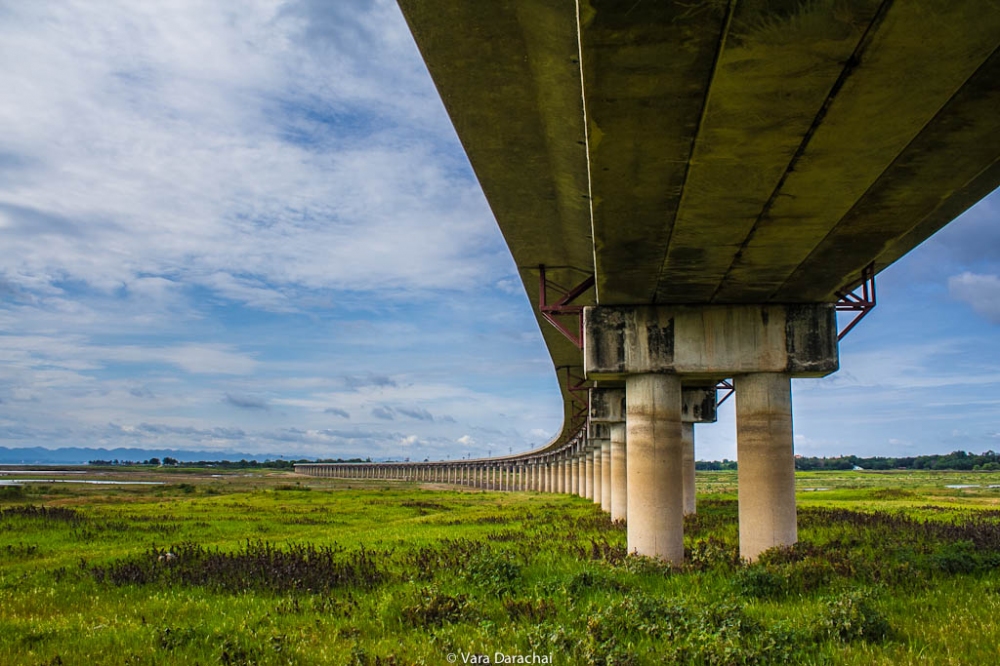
pixel 956 460
pixel 225 464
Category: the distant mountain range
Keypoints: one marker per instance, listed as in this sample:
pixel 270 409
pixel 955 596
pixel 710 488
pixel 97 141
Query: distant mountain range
pixel 79 456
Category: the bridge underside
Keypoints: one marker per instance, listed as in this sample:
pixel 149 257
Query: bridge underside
pixel 764 151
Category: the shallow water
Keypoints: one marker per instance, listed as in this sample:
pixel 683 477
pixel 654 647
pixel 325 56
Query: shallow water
pixel 18 482
pixel 6 472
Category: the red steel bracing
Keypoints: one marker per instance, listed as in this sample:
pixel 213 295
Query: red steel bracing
pixel 576 388
pixel 562 307
pixel 727 386
pixel 853 302
pixel 580 394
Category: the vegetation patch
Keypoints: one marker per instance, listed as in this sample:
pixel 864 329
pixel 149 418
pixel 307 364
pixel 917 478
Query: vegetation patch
pixel 255 566
pixel 400 575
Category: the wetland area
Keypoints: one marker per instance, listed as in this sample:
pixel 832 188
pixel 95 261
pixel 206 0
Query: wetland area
pixel 194 566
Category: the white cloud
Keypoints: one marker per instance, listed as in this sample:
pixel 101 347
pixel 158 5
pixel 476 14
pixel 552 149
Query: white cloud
pixel 204 359
pixel 208 147
pixel 982 292
pixel 466 440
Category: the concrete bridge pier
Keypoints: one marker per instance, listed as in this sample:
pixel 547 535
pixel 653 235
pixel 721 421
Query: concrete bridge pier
pixel 606 473
pixel 654 478
pixel 764 449
pixel 607 407
pixel 656 348
pixel 619 473
pixel 588 473
pixel 687 463
pixel 599 433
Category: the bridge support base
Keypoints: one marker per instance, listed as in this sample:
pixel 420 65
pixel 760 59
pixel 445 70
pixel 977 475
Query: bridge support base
pixel 687 455
pixel 619 474
pixel 653 434
pixel 764 449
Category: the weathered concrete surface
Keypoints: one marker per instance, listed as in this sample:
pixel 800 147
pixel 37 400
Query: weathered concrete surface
pixel 699 405
pixel 588 481
pixel 606 474
pixel 619 473
pixel 598 445
pixel 607 405
pixel 575 476
pixel 764 451
pixel 711 341
pixel 688 458
pixel 654 466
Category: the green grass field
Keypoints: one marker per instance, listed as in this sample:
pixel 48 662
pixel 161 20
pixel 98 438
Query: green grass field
pixel 270 568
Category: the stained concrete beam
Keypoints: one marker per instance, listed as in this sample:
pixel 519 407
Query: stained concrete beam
pixel 710 342
pixel 698 405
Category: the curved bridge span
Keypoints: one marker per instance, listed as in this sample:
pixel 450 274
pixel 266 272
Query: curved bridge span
pixel 690 191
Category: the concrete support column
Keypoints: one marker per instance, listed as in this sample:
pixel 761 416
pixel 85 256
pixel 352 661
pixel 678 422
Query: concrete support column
pixel 654 466
pixel 606 475
pixel 687 442
pixel 567 474
pixel 764 451
pixel 619 474
pixel 574 476
pixel 598 473
pixel 588 474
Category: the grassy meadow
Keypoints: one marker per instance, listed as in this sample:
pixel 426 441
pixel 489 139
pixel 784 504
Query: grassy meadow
pixel 272 568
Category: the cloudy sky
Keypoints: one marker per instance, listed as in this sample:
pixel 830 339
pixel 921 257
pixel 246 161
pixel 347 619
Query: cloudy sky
pixel 254 229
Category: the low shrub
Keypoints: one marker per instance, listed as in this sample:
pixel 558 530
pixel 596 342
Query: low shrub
pixel 493 572
pixel 255 566
pixel 434 608
pixel 852 616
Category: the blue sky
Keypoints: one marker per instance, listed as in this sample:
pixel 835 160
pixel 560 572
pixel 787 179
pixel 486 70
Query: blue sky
pixel 255 230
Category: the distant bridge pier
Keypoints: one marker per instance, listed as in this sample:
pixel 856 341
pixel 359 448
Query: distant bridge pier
pixel 606 473
pixel 655 349
pixel 607 408
pixel 688 470
pixel 588 474
pixel 599 433
pixel 698 405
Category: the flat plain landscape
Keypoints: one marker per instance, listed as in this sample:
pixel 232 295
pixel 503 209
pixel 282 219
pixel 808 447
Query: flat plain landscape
pixel 263 567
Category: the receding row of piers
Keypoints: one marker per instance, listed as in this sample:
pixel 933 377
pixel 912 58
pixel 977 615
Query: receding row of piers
pixel 554 473
pixel 655 368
